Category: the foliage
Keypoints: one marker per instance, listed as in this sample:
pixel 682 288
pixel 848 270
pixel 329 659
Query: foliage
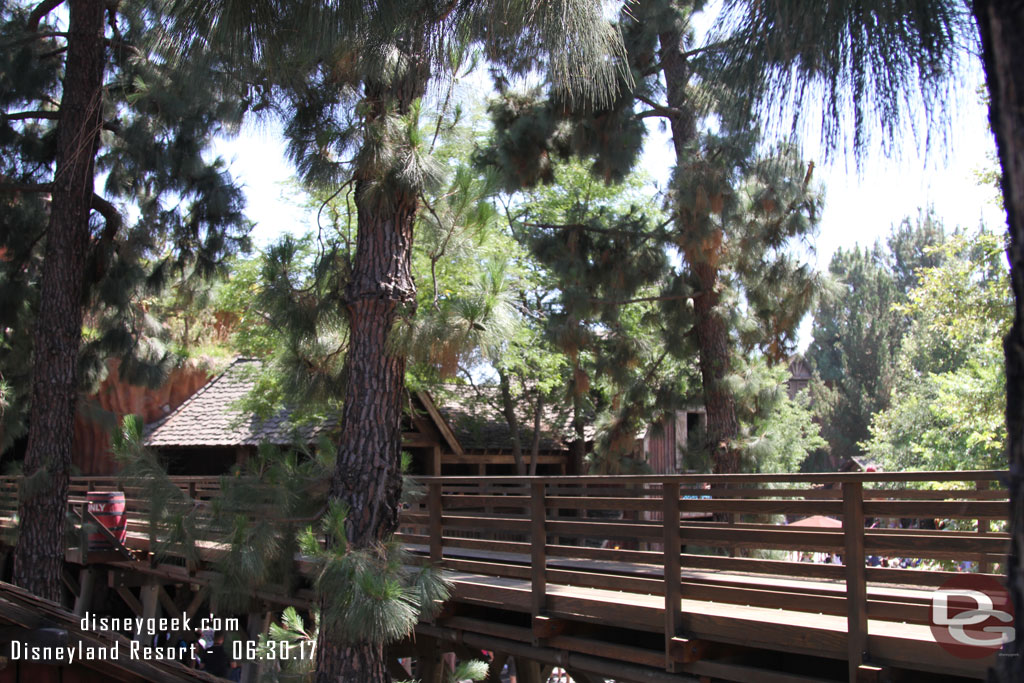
pixel 292 630
pixel 167 214
pixel 778 432
pixel 947 410
pixel 885 66
pixel 264 516
pixel 859 328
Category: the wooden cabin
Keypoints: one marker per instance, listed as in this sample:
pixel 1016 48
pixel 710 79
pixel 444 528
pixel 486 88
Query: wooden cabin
pixel 208 433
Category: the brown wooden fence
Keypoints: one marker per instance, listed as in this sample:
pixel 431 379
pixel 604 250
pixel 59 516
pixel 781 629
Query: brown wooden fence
pixel 671 546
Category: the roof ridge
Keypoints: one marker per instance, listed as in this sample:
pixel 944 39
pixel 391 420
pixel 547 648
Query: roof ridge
pixel 196 395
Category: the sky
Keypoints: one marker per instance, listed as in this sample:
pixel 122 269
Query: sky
pixel 861 204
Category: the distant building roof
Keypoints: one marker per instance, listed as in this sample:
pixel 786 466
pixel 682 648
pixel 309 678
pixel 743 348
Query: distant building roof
pixel 466 418
pixel 473 413
pixel 210 417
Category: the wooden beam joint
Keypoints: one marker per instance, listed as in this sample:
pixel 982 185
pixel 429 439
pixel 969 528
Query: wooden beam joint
pixel 687 650
pixel 547 627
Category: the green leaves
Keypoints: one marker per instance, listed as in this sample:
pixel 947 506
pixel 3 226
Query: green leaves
pixel 948 402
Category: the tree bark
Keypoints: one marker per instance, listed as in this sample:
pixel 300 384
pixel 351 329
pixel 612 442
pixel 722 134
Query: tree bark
pixel 39 554
pixel 713 345
pixel 508 409
pixel 1001 24
pixel 702 257
pixel 367 475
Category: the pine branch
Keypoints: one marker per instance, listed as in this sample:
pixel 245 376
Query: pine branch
pixel 33 36
pixel 37 114
pixel 26 187
pixel 670 112
pixel 111 215
pixel 588 228
pixel 113 223
pixel 623 302
pixel 650 113
pixel 40 11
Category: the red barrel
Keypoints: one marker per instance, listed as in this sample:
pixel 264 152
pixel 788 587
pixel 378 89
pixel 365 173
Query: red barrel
pixel 108 507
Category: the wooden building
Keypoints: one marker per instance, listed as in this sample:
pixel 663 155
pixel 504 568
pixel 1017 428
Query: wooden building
pixel 208 433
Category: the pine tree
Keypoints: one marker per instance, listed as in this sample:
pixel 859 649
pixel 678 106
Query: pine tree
pixel 733 214
pixel 146 126
pixel 858 330
pixel 351 77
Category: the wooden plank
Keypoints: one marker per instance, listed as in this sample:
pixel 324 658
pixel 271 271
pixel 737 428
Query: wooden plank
pixel 604 530
pixel 477 522
pixel 806 478
pixel 925 509
pixel 856 586
pixel 440 422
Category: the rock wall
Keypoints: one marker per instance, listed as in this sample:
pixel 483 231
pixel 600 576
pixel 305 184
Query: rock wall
pixel 103 411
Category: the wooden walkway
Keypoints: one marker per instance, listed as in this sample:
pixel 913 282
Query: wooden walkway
pixel 571 571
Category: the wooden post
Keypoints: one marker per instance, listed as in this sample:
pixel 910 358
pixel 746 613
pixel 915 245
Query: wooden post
pixel 435 461
pixel 671 542
pixel 86 581
pixel 983 528
pixel 150 594
pixel 435 528
pixel 538 555
pixel 255 625
pixel 856 586
pixel 528 671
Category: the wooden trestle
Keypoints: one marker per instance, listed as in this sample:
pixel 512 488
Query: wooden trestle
pixel 584 573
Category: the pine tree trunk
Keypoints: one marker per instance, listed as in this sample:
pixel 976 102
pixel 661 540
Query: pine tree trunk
pixel 712 334
pixel 508 409
pixel 39 554
pixel 713 345
pixel 367 475
pixel 1001 23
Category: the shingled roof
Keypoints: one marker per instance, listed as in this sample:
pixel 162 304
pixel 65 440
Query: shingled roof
pixel 210 417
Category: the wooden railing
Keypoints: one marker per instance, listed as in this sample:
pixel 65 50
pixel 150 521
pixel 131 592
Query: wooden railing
pixel 689 541
pixel 726 540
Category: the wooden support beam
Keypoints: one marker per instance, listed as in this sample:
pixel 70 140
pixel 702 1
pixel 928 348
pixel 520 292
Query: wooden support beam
pixel 168 604
pixel 435 530
pixel 538 552
pixel 856 585
pixel 687 650
pixel 129 599
pixel 256 624
pixel 70 582
pixel 150 611
pixel 435 461
pixel 495 667
pixel 197 601
pixel 429 663
pixel 869 674
pixel 528 671
pixel 547 627
pixel 984 526
pixel 87 582
pixel 673 571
